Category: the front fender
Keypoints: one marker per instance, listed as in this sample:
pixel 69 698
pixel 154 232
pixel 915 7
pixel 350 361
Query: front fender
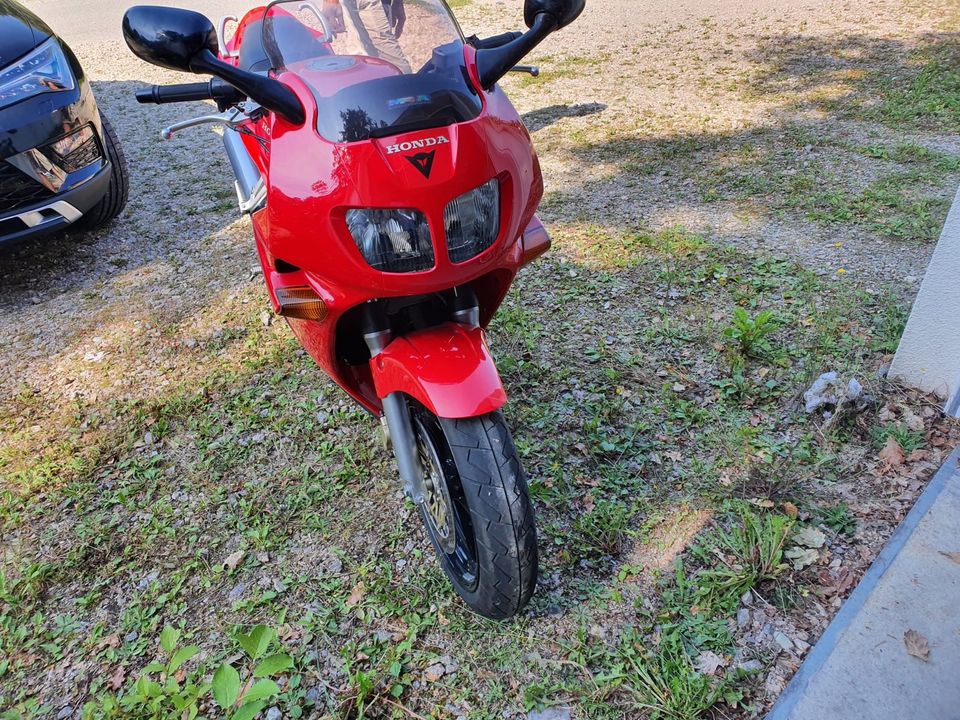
pixel 447 368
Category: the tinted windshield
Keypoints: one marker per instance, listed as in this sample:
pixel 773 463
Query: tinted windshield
pixel 377 68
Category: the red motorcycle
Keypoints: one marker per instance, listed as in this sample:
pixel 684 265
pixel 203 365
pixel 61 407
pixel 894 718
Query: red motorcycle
pixel 392 189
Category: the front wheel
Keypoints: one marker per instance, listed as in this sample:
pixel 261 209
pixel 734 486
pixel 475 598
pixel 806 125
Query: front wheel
pixel 477 510
pixel 115 199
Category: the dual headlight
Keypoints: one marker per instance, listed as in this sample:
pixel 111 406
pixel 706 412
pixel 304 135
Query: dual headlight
pixel 399 240
pixel 44 69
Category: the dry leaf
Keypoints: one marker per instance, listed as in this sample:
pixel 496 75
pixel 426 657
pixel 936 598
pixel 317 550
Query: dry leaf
pixel 588 503
pixel 892 453
pixel 232 560
pixel 802 557
pixel 917 645
pixel 810 537
pixel 914 422
pixel 110 641
pixel 708 663
pixel 356 595
pixel 790 509
pixel 955 556
pixel 835 583
pixel 116 680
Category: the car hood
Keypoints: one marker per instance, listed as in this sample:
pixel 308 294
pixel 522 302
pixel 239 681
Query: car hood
pixel 20 31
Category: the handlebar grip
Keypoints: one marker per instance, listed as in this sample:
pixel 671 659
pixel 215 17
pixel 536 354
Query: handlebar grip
pixel 494 41
pixel 223 92
pixel 174 93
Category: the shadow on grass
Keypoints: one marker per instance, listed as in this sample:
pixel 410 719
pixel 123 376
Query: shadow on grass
pixel 834 155
pixel 544 117
pixel 913 86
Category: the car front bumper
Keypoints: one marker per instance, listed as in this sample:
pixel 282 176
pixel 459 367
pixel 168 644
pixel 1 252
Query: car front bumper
pixel 34 123
pixel 57 211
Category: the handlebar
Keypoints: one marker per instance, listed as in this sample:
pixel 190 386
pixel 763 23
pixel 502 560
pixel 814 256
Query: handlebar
pixel 494 41
pixel 216 89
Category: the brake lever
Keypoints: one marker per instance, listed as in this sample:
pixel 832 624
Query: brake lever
pixel 230 119
pixel 531 70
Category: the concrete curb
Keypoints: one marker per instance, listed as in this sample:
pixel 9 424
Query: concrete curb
pixel 828 641
pixel 928 356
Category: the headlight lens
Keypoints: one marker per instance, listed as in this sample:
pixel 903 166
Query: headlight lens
pixel 472 221
pixel 45 69
pixel 392 240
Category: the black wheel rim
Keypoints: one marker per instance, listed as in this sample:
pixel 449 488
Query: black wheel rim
pixel 461 561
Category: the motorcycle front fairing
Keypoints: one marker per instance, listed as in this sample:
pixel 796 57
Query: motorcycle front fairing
pixel 397 150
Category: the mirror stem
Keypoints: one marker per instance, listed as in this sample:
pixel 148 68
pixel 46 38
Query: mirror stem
pixel 270 93
pixel 494 63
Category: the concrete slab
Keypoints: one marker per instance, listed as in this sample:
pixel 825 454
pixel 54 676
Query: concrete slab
pixel 860 668
pixel 929 353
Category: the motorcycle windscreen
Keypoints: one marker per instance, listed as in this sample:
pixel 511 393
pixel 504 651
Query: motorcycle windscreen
pixel 377 68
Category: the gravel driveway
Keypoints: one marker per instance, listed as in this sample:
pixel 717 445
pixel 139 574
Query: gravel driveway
pixel 672 79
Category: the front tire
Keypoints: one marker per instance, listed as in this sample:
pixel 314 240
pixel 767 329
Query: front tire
pixel 115 199
pixel 477 510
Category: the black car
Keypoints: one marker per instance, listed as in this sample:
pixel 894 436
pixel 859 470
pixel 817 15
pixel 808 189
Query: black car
pixel 60 162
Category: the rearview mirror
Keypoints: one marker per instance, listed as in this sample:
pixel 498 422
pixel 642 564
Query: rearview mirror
pixel 185 40
pixel 563 12
pixel 542 17
pixel 168 37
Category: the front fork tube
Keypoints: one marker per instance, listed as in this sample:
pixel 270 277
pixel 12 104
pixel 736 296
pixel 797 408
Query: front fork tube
pixel 399 428
pixel 396 412
pixel 404 443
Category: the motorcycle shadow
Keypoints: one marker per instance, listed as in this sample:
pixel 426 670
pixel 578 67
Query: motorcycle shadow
pixel 545 117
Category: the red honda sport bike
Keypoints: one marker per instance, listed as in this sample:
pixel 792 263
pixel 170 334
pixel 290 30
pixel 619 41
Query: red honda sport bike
pixel 392 189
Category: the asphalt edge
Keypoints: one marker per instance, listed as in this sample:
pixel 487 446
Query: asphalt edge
pixel 841 621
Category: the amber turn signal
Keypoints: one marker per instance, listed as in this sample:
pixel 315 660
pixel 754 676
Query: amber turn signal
pixel 535 241
pixel 300 302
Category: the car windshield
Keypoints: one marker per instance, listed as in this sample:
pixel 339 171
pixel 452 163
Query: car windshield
pixel 376 68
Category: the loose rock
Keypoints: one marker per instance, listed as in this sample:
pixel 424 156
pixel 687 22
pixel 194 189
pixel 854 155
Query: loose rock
pixel 554 713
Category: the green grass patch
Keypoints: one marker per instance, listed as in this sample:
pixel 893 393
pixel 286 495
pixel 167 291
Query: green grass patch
pixel 931 98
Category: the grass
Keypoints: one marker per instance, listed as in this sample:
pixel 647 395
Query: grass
pixel 838 518
pixel 908 440
pixel 652 369
pixel 931 97
pixel 751 335
pixel 259 499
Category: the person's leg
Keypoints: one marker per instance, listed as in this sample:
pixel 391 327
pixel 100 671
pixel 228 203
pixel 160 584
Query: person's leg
pixel 377 25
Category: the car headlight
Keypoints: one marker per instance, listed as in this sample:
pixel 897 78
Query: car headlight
pixel 44 69
pixel 472 221
pixel 392 240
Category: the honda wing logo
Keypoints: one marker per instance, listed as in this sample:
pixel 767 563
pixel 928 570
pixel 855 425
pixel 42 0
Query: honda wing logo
pixel 422 162
pixel 417 144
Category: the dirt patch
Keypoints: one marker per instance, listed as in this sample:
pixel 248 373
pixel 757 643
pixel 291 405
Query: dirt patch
pixel 659 548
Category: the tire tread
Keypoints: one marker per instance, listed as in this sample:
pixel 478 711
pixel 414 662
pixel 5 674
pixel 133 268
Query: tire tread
pixel 496 490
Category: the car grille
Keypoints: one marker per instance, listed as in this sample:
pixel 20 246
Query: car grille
pixel 17 189
pixel 84 155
